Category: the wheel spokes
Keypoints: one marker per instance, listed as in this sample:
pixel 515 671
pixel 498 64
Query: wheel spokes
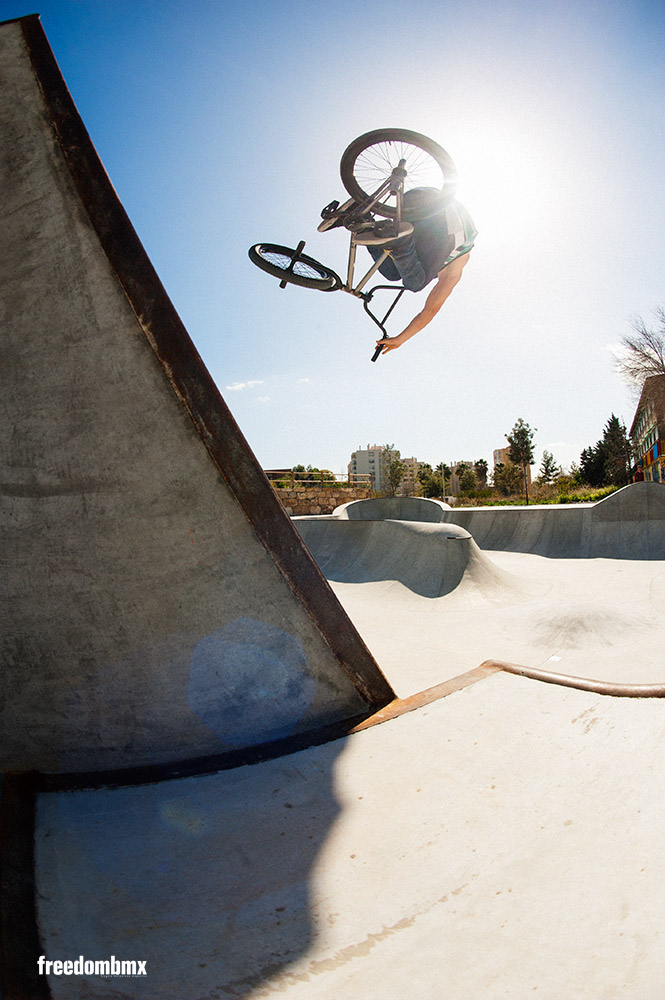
pixel 283 261
pixel 375 164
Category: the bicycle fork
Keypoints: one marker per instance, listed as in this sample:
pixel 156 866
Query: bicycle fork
pixel 294 261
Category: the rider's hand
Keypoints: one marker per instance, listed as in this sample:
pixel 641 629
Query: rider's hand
pixel 389 344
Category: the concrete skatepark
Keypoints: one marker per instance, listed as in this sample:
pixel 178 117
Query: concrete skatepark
pixel 578 590
pixel 275 758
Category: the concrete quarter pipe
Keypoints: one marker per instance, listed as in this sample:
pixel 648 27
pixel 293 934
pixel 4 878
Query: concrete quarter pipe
pixel 146 557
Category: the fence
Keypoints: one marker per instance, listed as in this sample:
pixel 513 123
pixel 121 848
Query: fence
pixel 290 480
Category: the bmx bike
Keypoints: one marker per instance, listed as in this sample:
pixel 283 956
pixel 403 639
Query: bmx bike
pixel 377 170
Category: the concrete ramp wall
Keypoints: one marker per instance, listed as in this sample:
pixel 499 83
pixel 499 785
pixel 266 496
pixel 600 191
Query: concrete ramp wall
pixel 429 559
pixel 156 603
pixel 629 524
pixel 394 508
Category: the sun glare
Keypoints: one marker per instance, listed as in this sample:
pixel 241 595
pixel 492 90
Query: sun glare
pixel 503 181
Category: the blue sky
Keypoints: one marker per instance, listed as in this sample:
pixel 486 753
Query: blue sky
pixel 221 124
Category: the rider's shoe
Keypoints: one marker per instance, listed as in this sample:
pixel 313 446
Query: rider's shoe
pixel 382 233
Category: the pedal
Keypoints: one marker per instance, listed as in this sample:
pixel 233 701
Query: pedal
pixel 329 210
pixel 330 217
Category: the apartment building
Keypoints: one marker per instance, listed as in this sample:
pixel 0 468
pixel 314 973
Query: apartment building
pixel 410 485
pixel 374 461
pixel 500 456
pixel 647 431
pixel 370 461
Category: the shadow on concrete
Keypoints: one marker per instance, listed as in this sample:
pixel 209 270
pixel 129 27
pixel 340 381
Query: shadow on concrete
pixel 206 879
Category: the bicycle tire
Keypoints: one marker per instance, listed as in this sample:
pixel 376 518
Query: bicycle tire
pixel 298 269
pixel 368 161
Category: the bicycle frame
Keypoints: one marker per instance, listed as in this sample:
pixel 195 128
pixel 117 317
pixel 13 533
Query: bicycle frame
pixel 394 185
pixel 355 217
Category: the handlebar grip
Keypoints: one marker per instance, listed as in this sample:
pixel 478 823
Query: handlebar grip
pixel 377 352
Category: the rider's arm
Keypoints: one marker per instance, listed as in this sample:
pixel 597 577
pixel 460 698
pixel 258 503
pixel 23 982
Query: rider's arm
pixel 448 278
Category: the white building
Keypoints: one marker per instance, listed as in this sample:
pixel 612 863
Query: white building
pixel 371 461
pixel 410 485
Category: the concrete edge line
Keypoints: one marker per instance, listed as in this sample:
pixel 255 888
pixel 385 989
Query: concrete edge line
pixel 286 746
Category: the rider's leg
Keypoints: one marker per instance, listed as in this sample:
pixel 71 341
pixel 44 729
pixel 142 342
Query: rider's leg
pixel 387 269
pixel 402 264
pixel 407 264
pixel 380 232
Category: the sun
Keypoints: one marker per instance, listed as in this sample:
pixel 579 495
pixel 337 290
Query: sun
pixel 504 182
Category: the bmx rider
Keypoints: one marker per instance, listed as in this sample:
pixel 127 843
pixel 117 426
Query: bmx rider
pixel 437 248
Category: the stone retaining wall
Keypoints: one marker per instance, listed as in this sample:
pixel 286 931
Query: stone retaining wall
pixel 319 500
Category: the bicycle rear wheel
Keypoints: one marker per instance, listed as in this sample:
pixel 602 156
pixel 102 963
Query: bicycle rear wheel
pixel 293 266
pixel 370 159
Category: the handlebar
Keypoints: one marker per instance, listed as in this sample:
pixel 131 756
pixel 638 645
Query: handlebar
pixel 367 298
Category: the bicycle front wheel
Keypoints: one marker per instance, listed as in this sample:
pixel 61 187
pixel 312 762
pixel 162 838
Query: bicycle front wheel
pixel 294 267
pixel 370 159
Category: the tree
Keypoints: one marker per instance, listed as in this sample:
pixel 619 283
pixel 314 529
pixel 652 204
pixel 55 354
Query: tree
pixel 574 473
pixel 431 479
pixel 480 468
pixel 520 451
pixel 388 453
pixel 444 472
pixel 549 470
pixel 425 475
pixel 642 353
pixel 609 461
pixel 507 478
pixel 393 469
pixel 618 453
pixel 592 464
pixel 468 481
pixel 311 474
pixel 395 474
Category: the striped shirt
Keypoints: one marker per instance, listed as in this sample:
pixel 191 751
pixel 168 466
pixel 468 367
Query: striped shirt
pixel 442 238
pixel 460 225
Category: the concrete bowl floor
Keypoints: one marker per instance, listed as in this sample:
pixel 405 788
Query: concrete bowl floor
pixel 502 843
pixel 431 603
pixel 600 618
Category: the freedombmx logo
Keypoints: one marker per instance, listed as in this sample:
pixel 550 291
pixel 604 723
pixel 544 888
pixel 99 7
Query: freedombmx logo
pixel 106 969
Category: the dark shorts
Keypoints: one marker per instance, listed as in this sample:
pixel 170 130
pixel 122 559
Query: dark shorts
pixel 405 265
